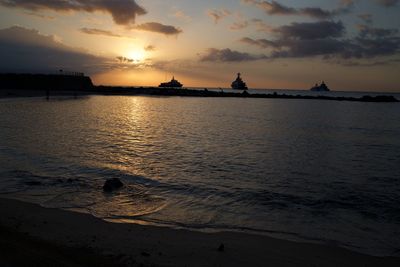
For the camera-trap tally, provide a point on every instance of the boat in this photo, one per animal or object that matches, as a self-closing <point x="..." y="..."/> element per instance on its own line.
<point x="320" y="87"/>
<point x="172" y="84"/>
<point x="239" y="84"/>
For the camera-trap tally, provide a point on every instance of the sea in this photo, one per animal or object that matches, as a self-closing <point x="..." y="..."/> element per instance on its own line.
<point x="317" y="171"/>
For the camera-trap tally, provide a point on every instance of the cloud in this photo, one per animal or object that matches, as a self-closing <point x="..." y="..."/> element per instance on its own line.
<point x="38" y="15"/>
<point x="150" y="48"/>
<point x="347" y="3"/>
<point x="27" y="50"/>
<point x="124" y="60"/>
<point x="275" y="8"/>
<point x="228" y="55"/>
<point x="297" y="48"/>
<point x="369" y="63"/>
<point x="239" y="25"/>
<point x="262" y="43"/>
<point x="158" y="28"/>
<point x="124" y="63"/>
<point x="316" y="12"/>
<point x="258" y="23"/>
<point x="288" y="34"/>
<point x="99" y="32"/>
<point x="179" y="14"/>
<point x="123" y="12"/>
<point x="367" y="18"/>
<point x="314" y="30"/>
<point x="366" y="30"/>
<point x="387" y="3"/>
<point x="326" y="39"/>
<point x="217" y="14"/>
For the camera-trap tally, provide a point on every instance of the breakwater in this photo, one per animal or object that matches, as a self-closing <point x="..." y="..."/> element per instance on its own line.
<point x="112" y="90"/>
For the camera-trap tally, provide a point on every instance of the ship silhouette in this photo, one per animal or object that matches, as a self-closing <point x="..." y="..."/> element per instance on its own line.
<point x="171" y="84"/>
<point x="320" y="87"/>
<point x="239" y="84"/>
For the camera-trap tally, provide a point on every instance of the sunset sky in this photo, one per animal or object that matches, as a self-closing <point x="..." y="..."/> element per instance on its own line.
<point x="351" y="44"/>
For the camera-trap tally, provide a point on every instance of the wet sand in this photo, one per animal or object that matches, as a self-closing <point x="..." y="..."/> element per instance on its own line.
<point x="36" y="236"/>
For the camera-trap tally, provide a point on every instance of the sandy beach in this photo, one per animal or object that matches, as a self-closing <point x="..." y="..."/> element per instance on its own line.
<point x="36" y="236"/>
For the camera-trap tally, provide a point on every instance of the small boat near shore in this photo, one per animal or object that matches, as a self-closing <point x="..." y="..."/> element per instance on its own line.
<point x="320" y="87"/>
<point x="171" y="84"/>
<point x="239" y="84"/>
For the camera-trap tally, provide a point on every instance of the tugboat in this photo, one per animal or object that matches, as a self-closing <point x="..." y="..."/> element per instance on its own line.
<point x="320" y="87"/>
<point x="172" y="84"/>
<point x="239" y="84"/>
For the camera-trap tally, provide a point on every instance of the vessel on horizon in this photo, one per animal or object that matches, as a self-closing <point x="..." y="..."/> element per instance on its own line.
<point x="171" y="84"/>
<point x="320" y="87"/>
<point x="239" y="84"/>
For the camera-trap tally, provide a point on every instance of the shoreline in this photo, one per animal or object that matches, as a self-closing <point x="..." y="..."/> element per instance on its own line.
<point x="84" y="238"/>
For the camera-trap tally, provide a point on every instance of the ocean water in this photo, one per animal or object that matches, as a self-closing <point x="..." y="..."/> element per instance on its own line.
<point x="304" y="170"/>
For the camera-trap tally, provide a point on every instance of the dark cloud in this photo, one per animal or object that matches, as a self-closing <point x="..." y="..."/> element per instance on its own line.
<point x="124" y="60"/>
<point x="366" y="30"/>
<point x="307" y="48"/>
<point x="315" y="30"/>
<point x="316" y="12"/>
<point x="326" y="39"/>
<point x="124" y="12"/>
<point x="297" y="47"/>
<point x="388" y="3"/>
<point x="98" y="32"/>
<point x="158" y="28"/>
<point x="296" y="32"/>
<point x="369" y="63"/>
<point x="367" y="18"/>
<point x="228" y="55"/>
<point x="27" y="50"/>
<point x="275" y="8"/>
<point x="262" y="43"/>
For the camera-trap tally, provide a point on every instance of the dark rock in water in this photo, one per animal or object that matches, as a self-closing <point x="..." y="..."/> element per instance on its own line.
<point x="112" y="184"/>
<point x="221" y="248"/>
<point x="379" y="98"/>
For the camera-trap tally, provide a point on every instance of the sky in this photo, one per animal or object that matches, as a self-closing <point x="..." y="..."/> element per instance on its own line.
<point x="353" y="45"/>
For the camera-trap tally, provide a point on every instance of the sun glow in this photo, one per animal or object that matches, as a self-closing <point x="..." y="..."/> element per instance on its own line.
<point x="136" y="55"/>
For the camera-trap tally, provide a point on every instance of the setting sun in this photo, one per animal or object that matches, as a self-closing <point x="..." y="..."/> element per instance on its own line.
<point x="136" y="55"/>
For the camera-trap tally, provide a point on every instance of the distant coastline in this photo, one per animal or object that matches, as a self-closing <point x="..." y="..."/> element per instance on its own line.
<point x="26" y="85"/>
